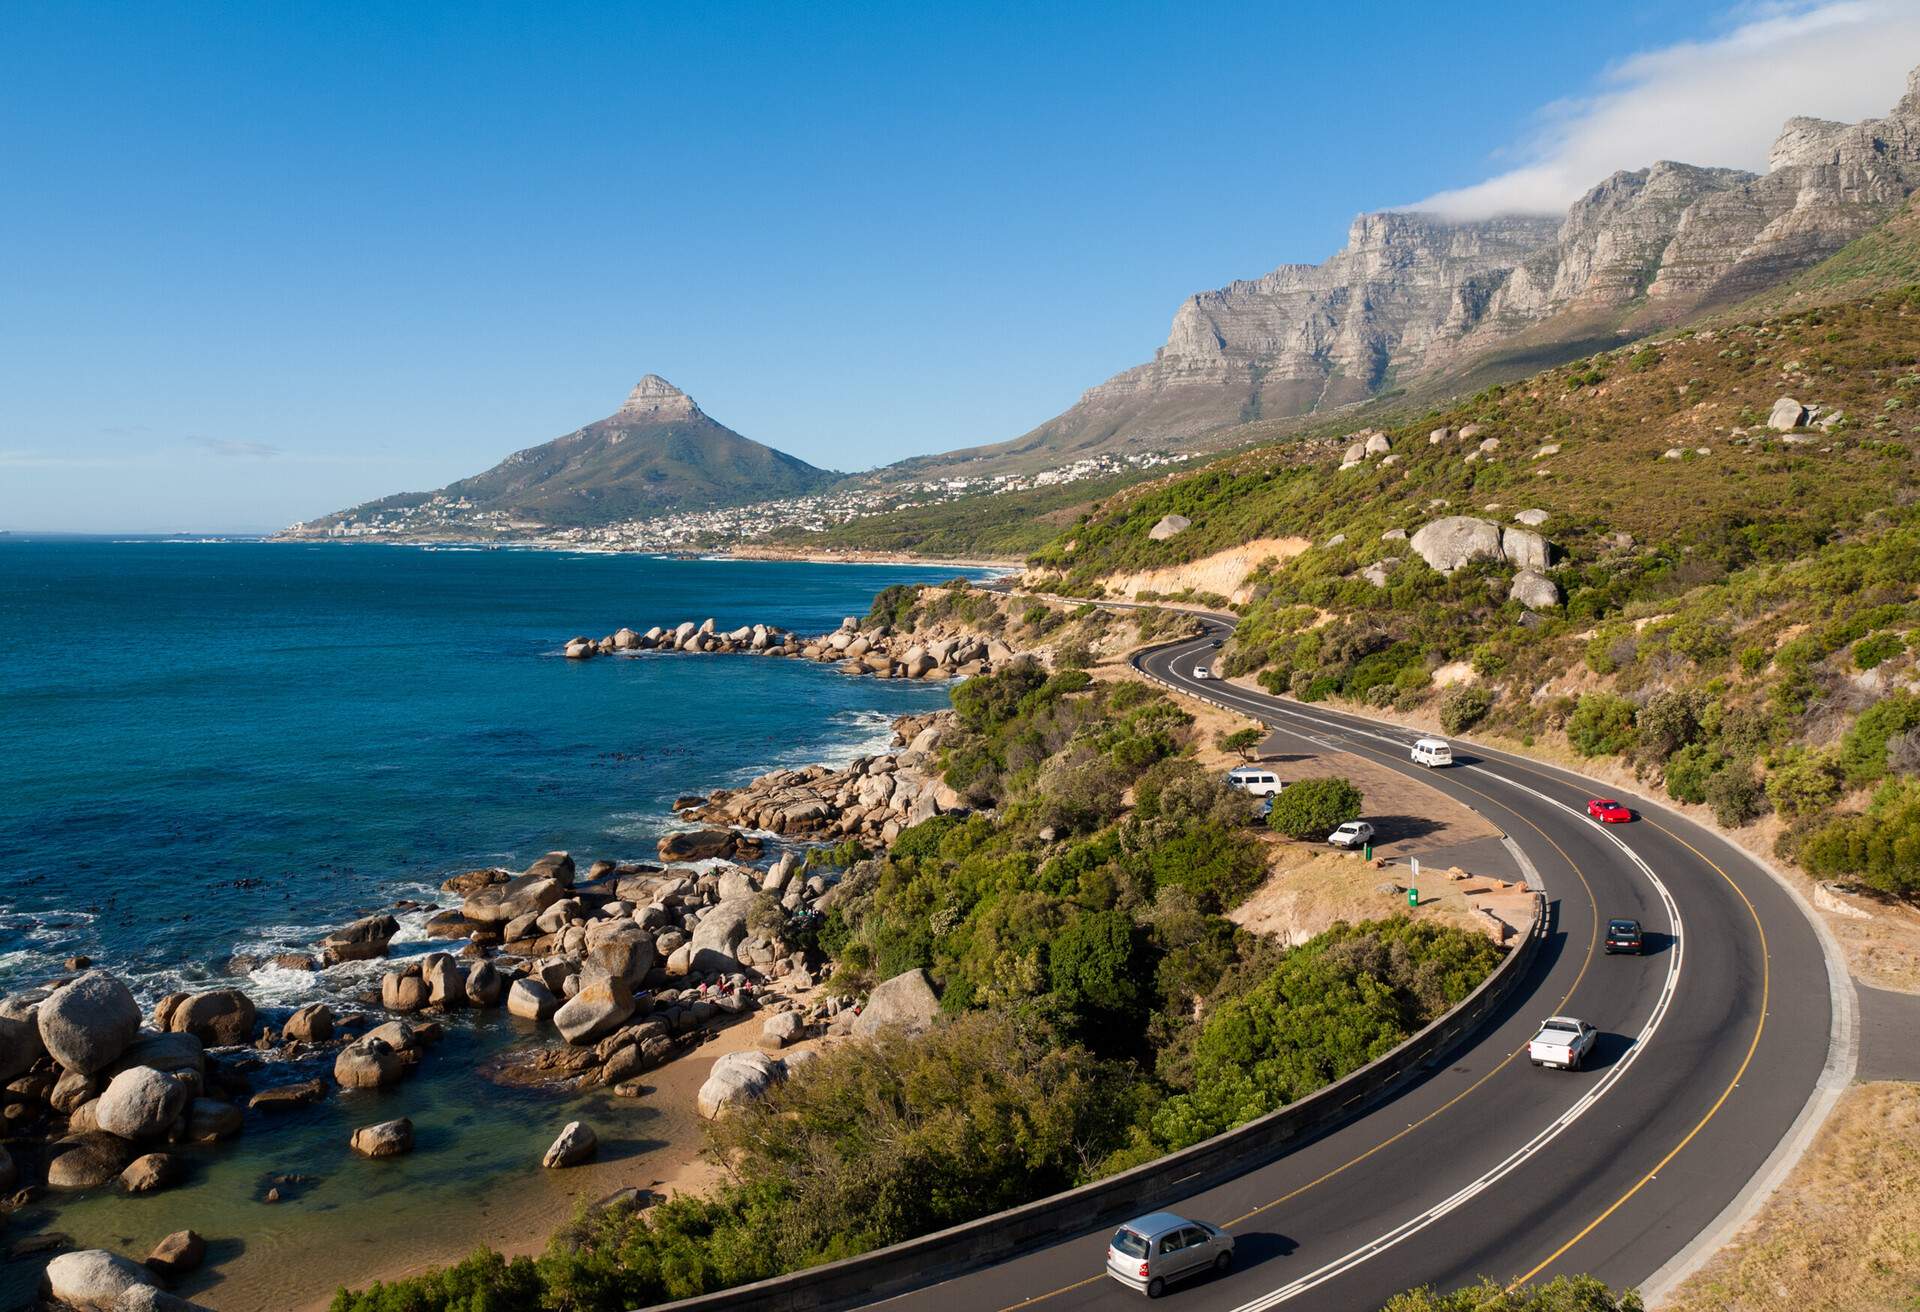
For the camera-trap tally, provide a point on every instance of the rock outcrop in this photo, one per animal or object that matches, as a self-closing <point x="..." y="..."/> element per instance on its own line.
<point x="906" y="1002"/>
<point x="386" y="1139"/>
<point x="93" y="1280"/>
<point x="88" y="1022"/>
<point x="736" y="1078"/>
<point x="575" y="1144"/>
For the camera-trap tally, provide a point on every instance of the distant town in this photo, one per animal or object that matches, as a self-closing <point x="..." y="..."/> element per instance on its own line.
<point x="443" y="518"/>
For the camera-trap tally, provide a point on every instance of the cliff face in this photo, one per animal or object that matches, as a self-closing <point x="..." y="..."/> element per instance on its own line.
<point x="1414" y="293"/>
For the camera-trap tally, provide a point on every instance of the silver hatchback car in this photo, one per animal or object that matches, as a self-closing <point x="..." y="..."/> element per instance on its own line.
<point x="1151" y="1252"/>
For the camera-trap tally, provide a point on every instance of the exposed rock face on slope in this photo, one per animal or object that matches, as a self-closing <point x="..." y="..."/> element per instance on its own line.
<point x="658" y="452"/>
<point x="1413" y="293"/>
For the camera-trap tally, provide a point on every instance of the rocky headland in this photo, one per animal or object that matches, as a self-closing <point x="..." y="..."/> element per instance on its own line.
<point x="940" y="652"/>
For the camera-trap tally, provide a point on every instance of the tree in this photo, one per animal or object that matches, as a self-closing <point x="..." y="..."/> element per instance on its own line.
<point x="1091" y="964"/>
<point x="1881" y="848"/>
<point x="1735" y="795"/>
<point x="1313" y="808"/>
<point x="1804" y="783"/>
<point x="1241" y="741"/>
<point x="1668" y="722"/>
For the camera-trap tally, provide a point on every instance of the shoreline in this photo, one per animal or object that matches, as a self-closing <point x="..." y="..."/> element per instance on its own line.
<point x="799" y="556"/>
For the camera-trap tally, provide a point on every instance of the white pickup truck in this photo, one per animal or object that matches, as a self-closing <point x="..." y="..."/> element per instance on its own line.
<point x="1563" y="1042"/>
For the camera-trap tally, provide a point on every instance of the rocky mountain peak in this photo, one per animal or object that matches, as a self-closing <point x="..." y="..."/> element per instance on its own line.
<point x="654" y="399"/>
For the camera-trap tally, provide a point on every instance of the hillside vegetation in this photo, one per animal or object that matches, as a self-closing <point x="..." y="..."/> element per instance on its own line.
<point x="1739" y="604"/>
<point x="1098" y="1010"/>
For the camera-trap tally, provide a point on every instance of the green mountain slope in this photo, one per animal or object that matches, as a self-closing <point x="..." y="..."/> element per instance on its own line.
<point x="660" y="452"/>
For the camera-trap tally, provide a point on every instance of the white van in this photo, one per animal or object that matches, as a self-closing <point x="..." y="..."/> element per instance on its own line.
<point x="1432" y="752"/>
<point x="1255" y="779"/>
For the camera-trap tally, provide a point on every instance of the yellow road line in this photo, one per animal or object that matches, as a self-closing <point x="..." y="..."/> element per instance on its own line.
<point x="1593" y="940"/>
<point x="1766" y="971"/>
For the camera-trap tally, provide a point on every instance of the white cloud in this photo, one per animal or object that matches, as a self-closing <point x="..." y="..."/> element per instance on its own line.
<point x="1714" y="102"/>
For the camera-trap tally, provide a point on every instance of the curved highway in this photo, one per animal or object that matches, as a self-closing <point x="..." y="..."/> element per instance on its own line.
<point x="1712" y="1056"/>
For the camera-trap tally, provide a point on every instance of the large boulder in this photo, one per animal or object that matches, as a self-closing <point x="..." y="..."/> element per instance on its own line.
<point x="600" y="1007"/>
<point x="89" y="1022"/>
<point x="176" y="1255"/>
<point x="446" y="980"/>
<point x="1534" y="590"/>
<point x="209" y="1121"/>
<point x="387" y="1139"/>
<point x="86" y="1161"/>
<point x="484" y="984"/>
<point x="1787" y="414"/>
<point x="1456" y="540"/>
<point x="404" y="990"/>
<point x="312" y="1023"/>
<point x="531" y="1000"/>
<point x="366" y="1064"/>
<point x="905" y="1002"/>
<point x="1526" y="549"/>
<point x="151" y="1173"/>
<point x="142" y="1103"/>
<point x="698" y="845"/>
<point x="496" y="904"/>
<point x="557" y="866"/>
<point x="576" y="1144"/>
<point x="92" y="1280"/>
<point x="219" y="1018"/>
<point x="20" y="1045"/>
<point x="722" y="926"/>
<point x="1169" y="526"/>
<point x="620" y="948"/>
<point x="735" y="1078"/>
<point x="363" y="940"/>
<point x="178" y="1055"/>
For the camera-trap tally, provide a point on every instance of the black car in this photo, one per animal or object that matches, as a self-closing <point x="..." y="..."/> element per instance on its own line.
<point x="1625" y="936"/>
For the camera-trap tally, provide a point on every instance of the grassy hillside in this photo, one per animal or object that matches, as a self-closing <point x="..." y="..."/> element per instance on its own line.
<point x="1741" y="607"/>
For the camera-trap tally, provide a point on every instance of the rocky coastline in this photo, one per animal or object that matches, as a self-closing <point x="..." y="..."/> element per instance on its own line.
<point x="622" y="969"/>
<point x="937" y="653"/>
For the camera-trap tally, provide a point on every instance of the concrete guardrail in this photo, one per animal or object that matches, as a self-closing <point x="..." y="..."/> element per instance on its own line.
<point x="944" y="1254"/>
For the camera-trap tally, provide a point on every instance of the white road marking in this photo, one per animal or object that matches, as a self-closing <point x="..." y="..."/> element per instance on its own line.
<point x="1412" y="1226"/>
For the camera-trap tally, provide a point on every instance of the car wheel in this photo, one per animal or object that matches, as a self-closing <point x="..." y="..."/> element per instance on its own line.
<point x="1222" y="1262"/>
<point x="1574" y="1060"/>
<point x="1156" y="1287"/>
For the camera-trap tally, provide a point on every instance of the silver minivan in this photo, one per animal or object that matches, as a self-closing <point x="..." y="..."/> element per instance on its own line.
<point x="1151" y="1252"/>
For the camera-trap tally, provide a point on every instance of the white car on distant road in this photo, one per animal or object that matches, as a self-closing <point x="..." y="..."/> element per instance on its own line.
<point x="1354" y="833"/>
<point x="1203" y="671"/>
<point x="1563" y="1042"/>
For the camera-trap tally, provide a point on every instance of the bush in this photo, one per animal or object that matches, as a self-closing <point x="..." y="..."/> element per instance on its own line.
<point x="1091" y="965"/>
<point x="1876" y="650"/>
<point x="1863" y="752"/>
<point x="1313" y="808"/>
<point x="1668" y="722"/>
<point x="1803" y="784"/>
<point x="1690" y="770"/>
<point x="1880" y="848"/>
<point x="1736" y="796"/>
<point x="1563" y="1294"/>
<point x="1601" y="725"/>
<point x="1462" y="707"/>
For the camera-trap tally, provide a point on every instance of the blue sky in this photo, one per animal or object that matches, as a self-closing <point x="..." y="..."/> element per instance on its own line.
<point x="268" y="260"/>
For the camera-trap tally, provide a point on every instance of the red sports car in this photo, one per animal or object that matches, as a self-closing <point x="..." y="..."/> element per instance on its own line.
<point x="1608" y="812"/>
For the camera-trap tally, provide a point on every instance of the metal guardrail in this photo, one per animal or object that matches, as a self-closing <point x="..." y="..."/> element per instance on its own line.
<point x="972" y="1245"/>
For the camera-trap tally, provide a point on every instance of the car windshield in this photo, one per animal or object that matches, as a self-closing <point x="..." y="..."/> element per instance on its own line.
<point x="1607" y="806"/>
<point x="1559" y="1027"/>
<point x="1623" y="927"/>
<point x="1126" y="1241"/>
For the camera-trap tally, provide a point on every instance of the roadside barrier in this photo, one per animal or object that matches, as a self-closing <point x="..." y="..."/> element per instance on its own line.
<point x="988" y="1240"/>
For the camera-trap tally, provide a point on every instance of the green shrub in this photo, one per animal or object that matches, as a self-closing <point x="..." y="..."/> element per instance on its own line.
<point x="1880" y="848"/>
<point x="1314" y="808"/>
<point x="484" y="1282"/>
<point x="1563" y="1294"/>
<point x="1091" y="965"/>
<point x="1876" y="650"/>
<point x="1601" y="725"/>
<point x="1690" y="770"/>
<point x="1803" y="784"/>
<point x="1668" y="722"/>
<point x="1463" y="706"/>
<point x="1863" y="752"/>
<point x="1735" y="796"/>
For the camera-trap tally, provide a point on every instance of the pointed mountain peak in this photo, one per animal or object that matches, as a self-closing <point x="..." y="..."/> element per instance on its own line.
<point x="653" y="397"/>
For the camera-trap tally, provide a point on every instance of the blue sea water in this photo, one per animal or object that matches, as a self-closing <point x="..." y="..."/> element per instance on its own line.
<point x="211" y="749"/>
<point x="221" y="749"/>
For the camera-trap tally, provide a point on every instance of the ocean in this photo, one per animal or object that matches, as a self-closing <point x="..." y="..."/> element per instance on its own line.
<point x="211" y="750"/>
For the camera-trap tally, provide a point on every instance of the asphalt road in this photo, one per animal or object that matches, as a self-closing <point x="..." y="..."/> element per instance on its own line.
<point x="1711" y="1046"/>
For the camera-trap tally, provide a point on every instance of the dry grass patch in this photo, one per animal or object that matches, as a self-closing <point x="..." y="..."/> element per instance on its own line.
<point x="1843" y="1233"/>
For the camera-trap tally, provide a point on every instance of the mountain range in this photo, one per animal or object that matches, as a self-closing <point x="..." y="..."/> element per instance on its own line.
<point x="1415" y="304"/>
